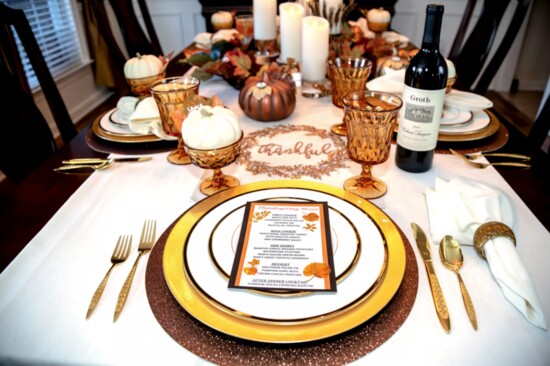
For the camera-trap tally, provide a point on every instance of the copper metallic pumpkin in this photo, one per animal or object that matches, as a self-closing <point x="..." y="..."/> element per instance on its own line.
<point x="267" y="99"/>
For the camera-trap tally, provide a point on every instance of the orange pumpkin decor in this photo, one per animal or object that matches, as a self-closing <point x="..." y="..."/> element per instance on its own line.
<point x="267" y="99"/>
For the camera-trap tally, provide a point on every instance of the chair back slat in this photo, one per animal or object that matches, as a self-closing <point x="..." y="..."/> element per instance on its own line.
<point x="18" y="20"/>
<point x="471" y="57"/>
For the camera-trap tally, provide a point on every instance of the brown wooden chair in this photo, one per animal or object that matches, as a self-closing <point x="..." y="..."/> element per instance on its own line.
<point x="135" y="39"/>
<point x="26" y="138"/>
<point x="104" y="48"/>
<point x="10" y="56"/>
<point x="470" y="56"/>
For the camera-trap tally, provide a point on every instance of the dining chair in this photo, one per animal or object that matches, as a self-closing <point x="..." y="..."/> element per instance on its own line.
<point x="135" y="39"/>
<point x="105" y="49"/>
<point x="26" y="138"/>
<point x="15" y="19"/>
<point x="470" y="56"/>
<point x="538" y="139"/>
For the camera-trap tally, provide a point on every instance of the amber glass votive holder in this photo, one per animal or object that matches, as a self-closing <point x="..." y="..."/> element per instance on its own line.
<point x="216" y="159"/>
<point x="140" y="86"/>
<point x="347" y="75"/>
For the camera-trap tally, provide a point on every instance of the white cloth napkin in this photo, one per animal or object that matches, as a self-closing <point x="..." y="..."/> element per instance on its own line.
<point x="146" y="119"/>
<point x="466" y="101"/>
<point x="389" y="83"/>
<point x="126" y="106"/>
<point x="458" y="207"/>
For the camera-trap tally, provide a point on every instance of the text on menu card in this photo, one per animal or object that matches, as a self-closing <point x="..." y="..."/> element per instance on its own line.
<point x="284" y="246"/>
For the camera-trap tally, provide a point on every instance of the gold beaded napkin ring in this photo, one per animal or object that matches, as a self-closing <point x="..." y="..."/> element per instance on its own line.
<point x="489" y="231"/>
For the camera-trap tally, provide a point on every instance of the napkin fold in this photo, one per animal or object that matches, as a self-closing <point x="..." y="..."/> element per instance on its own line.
<point x="458" y="207"/>
<point x="467" y="101"/>
<point x="462" y="100"/>
<point x="146" y="119"/>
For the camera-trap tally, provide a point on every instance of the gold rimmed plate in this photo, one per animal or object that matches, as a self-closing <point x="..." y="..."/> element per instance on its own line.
<point x="106" y="130"/>
<point x="294" y="306"/>
<point x="346" y="243"/>
<point x="349" y="309"/>
<point x="488" y="128"/>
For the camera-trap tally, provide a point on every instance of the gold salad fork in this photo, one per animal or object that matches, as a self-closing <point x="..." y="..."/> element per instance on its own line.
<point x="145" y="244"/>
<point x="120" y="254"/>
<point x="485" y="165"/>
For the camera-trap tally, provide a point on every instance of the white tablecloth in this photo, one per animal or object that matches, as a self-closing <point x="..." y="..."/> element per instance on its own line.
<point x="45" y="292"/>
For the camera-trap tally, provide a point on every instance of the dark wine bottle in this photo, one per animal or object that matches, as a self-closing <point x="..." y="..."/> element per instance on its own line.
<point x="423" y="97"/>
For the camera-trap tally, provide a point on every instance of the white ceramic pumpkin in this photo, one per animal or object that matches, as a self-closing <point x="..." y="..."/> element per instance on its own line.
<point x="210" y="128"/>
<point x="222" y="20"/>
<point x="378" y="19"/>
<point x="142" y="66"/>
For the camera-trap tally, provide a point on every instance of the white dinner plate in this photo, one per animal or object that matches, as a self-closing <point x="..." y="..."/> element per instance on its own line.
<point x="362" y="251"/>
<point x="454" y="116"/>
<point x="346" y="244"/>
<point x="107" y="125"/>
<point x="115" y="117"/>
<point x="479" y="121"/>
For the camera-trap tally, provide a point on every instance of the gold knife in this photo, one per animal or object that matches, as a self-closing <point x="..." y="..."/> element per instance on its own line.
<point x="437" y="293"/>
<point x="81" y="161"/>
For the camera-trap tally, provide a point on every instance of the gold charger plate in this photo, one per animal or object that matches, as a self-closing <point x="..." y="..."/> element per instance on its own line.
<point x="207" y="312"/>
<point x="106" y="135"/>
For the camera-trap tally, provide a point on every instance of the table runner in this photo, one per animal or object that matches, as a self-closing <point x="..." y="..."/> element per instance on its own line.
<point x="227" y="350"/>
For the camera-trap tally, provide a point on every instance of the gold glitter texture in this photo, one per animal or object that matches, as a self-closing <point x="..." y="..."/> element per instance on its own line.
<point x="489" y="231"/>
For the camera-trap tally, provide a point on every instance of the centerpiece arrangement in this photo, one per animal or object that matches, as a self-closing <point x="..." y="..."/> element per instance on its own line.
<point x="230" y="54"/>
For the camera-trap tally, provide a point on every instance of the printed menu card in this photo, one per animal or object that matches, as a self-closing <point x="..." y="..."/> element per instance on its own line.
<point x="284" y="246"/>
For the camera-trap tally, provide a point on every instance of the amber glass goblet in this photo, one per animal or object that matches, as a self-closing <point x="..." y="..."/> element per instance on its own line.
<point x="171" y="95"/>
<point x="216" y="159"/>
<point x="244" y="24"/>
<point x="347" y="75"/>
<point x="370" y="118"/>
<point x="140" y="86"/>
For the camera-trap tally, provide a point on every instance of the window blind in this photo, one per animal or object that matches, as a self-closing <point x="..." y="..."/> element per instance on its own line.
<point x="52" y="22"/>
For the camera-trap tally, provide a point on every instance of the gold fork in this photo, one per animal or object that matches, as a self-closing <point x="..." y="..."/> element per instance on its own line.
<point x="485" y="165"/>
<point x="145" y="244"/>
<point x="120" y="254"/>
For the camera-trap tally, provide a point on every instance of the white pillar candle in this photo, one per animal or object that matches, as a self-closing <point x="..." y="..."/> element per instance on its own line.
<point x="291" y="15"/>
<point x="265" y="19"/>
<point x="333" y="5"/>
<point x="315" y="38"/>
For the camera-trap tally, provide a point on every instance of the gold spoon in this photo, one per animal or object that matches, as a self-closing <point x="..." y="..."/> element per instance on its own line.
<point x="451" y="256"/>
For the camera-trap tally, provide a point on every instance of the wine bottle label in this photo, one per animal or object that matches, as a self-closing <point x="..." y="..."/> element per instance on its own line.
<point x="419" y="118"/>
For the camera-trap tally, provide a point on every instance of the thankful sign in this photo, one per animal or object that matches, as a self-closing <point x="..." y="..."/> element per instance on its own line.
<point x="293" y="151"/>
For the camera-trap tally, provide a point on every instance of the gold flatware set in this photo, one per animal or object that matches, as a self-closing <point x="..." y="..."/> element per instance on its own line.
<point x="145" y="244"/>
<point x="451" y="257"/>
<point x="91" y="164"/>
<point x="120" y="254"/>
<point x="470" y="159"/>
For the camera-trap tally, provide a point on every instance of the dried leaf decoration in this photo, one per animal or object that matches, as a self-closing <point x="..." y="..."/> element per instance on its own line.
<point x="251" y="268"/>
<point x="260" y="90"/>
<point x="310" y="227"/>
<point x="258" y="216"/>
<point x="241" y="61"/>
<point x="317" y="269"/>
<point x="312" y="216"/>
